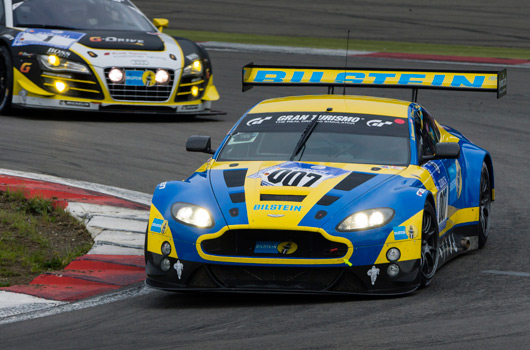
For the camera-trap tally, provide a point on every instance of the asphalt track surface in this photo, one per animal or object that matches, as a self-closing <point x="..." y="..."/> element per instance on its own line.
<point x="470" y="22"/>
<point x="465" y="307"/>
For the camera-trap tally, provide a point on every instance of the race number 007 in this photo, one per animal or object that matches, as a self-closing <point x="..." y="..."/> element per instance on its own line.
<point x="289" y="177"/>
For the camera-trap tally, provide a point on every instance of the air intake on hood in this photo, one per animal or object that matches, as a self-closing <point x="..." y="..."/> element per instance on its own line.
<point x="353" y="180"/>
<point x="281" y="197"/>
<point x="235" y="178"/>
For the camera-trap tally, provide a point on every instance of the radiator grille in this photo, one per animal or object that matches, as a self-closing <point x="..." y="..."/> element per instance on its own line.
<point x="140" y="93"/>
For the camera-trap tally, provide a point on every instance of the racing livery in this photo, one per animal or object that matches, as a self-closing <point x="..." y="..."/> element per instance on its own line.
<point x="326" y="193"/>
<point x="98" y="55"/>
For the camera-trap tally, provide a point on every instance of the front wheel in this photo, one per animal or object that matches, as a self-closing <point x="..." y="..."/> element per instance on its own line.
<point x="484" y="206"/>
<point x="6" y="80"/>
<point x="429" y="245"/>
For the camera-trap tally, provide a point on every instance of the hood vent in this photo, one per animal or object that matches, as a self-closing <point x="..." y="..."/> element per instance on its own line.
<point x="235" y="178"/>
<point x="353" y="180"/>
<point x="238" y="197"/>
<point x="327" y="200"/>
<point x="281" y="197"/>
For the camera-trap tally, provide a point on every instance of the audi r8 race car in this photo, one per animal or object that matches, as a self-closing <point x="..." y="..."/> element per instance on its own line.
<point x="326" y="193"/>
<point x="98" y="55"/>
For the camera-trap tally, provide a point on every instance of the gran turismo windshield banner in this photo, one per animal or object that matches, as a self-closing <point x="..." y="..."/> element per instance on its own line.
<point x="328" y="122"/>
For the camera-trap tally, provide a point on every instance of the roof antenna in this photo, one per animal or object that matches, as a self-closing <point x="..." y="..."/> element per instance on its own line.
<point x="346" y="63"/>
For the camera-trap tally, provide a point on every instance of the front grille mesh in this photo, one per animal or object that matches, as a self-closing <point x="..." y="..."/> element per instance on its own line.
<point x="155" y="93"/>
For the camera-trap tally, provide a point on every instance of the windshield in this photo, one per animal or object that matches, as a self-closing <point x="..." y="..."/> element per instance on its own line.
<point x="80" y="14"/>
<point x="341" y="138"/>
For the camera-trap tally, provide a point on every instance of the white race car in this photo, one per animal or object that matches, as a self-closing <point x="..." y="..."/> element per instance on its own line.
<point x="99" y="55"/>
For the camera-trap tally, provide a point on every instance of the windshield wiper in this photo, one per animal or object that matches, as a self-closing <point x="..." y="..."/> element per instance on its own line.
<point x="305" y="136"/>
<point x="46" y="26"/>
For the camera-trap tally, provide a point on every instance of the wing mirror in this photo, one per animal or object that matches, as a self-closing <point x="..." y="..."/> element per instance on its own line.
<point x="199" y="143"/>
<point x="160" y="23"/>
<point x="444" y="150"/>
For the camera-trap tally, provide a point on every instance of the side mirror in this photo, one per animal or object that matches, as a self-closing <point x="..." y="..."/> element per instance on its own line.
<point x="160" y="23"/>
<point x="199" y="143"/>
<point x="447" y="150"/>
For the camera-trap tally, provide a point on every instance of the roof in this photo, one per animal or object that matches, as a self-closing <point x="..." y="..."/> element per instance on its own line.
<point x="338" y="103"/>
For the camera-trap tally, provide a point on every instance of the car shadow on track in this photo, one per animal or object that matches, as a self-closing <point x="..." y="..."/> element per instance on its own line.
<point x="80" y="116"/>
<point x="167" y="300"/>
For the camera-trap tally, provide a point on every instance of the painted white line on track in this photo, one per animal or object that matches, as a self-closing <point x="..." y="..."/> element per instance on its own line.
<point x="29" y="312"/>
<point x="216" y="45"/>
<point x="224" y="46"/>
<point x="508" y="273"/>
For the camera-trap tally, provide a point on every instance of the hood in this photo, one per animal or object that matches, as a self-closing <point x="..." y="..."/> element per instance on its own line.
<point x="122" y="40"/>
<point x="277" y="195"/>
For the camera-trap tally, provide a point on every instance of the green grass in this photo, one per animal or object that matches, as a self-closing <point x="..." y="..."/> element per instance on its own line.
<point x="362" y="45"/>
<point x="36" y="236"/>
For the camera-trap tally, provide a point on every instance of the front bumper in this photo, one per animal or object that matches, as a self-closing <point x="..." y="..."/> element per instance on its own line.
<point x="192" y="276"/>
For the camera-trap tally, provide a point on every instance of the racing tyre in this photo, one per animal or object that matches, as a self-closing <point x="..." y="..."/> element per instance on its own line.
<point x="6" y="80"/>
<point x="484" y="206"/>
<point x="429" y="245"/>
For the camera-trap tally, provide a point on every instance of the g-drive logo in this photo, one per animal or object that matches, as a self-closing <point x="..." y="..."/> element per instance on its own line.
<point x="257" y="121"/>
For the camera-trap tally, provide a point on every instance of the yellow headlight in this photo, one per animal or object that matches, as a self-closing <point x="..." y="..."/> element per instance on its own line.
<point x="60" y="86"/>
<point x="54" y="60"/>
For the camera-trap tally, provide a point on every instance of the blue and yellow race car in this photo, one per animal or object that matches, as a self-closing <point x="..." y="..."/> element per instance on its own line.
<point x="326" y="193"/>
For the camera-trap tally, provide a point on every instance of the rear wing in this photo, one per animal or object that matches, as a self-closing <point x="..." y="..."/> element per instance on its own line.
<point x="263" y="75"/>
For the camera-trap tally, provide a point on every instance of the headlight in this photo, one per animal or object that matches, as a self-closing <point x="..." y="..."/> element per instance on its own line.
<point x="116" y="75"/>
<point x="366" y="219"/>
<point x="195" y="68"/>
<point x="57" y="64"/>
<point x="162" y="76"/>
<point x="193" y="215"/>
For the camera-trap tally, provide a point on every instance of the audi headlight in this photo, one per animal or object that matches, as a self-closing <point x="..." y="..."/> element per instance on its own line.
<point x="366" y="219"/>
<point x="57" y="64"/>
<point x="195" y="68"/>
<point x="193" y="215"/>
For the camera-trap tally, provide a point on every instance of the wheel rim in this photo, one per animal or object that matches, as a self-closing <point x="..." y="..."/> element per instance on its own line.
<point x="485" y="201"/>
<point x="3" y="82"/>
<point x="429" y="246"/>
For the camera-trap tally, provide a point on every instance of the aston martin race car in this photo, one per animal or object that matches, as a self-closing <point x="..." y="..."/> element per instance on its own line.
<point x="326" y="193"/>
<point x="98" y="55"/>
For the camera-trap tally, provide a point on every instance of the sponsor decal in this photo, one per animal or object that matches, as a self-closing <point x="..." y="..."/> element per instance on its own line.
<point x="179" y="267"/>
<point x="412" y="231"/>
<point x="162" y="185"/>
<point x="420" y="192"/>
<point x="158" y="226"/>
<point x="55" y="38"/>
<point x="282" y="207"/>
<point x="322" y="118"/>
<point x="113" y="39"/>
<point x="373" y="273"/>
<point x="400" y="233"/>
<point x="349" y="76"/>
<point x="74" y="103"/>
<point x="190" y="107"/>
<point x="26" y="54"/>
<point x="287" y="248"/>
<point x="256" y="121"/>
<point x="442" y="198"/>
<point x="192" y="56"/>
<point x="148" y="78"/>
<point x="266" y="247"/>
<point x="139" y="78"/>
<point x="393" y="167"/>
<point x="58" y="52"/>
<point x="296" y="174"/>
<point x="377" y="123"/>
<point x="25" y="67"/>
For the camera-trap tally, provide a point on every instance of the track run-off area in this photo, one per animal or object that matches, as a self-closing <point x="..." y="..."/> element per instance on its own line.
<point x="477" y="301"/>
